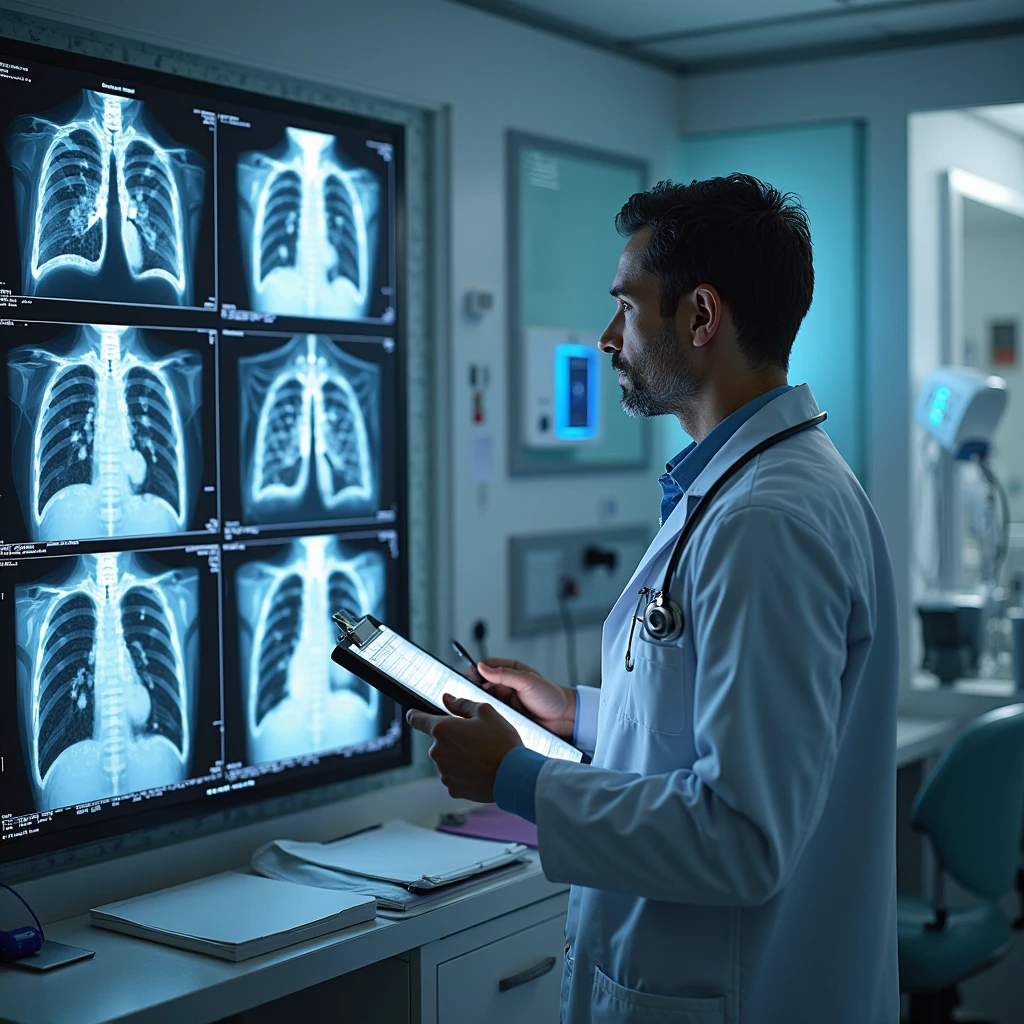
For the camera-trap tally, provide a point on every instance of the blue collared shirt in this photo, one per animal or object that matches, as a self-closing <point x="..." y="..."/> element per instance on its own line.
<point x="681" y="471"/>
<point x="516" y="781"/>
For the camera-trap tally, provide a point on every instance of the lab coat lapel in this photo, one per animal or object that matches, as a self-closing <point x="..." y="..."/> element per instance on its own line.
<point x="783" y="412"/>
<point x="787" y="410"/>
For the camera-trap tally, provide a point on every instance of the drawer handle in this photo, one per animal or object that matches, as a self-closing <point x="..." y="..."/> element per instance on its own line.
<point x="538" y="970"/>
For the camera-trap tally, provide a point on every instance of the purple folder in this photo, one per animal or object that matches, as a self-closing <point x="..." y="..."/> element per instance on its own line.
<point x="490" y="822"/>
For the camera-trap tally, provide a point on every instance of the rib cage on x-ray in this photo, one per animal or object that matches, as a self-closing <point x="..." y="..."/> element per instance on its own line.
<point x="298" y="701"/>
<point x="310" y="427"/>
<point x="108" y="455"/>
<point x="106" y="679"/>
<point x="309" y="227"/>
<point x="71" y="170"/>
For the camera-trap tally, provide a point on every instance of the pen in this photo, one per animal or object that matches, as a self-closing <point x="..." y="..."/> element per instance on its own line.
<point x="463" y="653"/>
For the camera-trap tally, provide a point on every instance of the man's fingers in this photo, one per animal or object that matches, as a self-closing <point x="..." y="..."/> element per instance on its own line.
<point x="511" y="663"/>
<point x="504" y="675"/>
<point x="423" y="722"/>
<point x="461" y="706"/>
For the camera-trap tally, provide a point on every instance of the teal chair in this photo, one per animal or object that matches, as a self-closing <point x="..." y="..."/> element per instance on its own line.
<point x="971" y="808"/>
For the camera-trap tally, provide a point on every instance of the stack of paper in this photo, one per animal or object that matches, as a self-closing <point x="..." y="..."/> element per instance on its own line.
<point x="234" y="915"/>
<point x="407" y="869"/>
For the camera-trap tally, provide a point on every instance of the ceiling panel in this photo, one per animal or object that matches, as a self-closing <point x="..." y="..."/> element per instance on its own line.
<point x="617" y="20"/>
<point x="856" y="26"/>
<point x="698" y="48"/>
<point x="925" y="16"/>
<point x="692" y="34"/>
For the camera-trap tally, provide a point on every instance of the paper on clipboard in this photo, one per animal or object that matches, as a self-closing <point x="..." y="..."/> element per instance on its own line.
<point x="390" y="654"/>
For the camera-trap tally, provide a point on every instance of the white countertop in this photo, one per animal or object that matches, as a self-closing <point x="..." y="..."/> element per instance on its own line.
<point x="147" y="983"/>
<point x="919" y="737"/>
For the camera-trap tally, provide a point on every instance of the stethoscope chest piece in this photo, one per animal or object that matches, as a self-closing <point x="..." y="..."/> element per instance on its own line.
<point x="663" y="619"/>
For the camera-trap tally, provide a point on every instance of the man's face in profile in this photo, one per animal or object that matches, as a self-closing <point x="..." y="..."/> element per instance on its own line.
<point x="647" y="350"/>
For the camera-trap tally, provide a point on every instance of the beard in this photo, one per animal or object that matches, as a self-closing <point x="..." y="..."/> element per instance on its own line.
<point x="659" y="381"/>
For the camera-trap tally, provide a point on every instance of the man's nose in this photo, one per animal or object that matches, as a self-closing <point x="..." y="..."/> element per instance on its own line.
<point x="611" y="338"/>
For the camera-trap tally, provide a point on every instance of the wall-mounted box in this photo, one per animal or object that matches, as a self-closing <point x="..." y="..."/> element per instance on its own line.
<point x="541" y="563"/>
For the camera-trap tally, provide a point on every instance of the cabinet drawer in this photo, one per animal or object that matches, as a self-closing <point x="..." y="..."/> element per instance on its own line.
<point x="515" y="979"/>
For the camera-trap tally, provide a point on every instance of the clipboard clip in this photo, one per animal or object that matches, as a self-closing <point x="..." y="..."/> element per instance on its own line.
<point x="355" y="631"/>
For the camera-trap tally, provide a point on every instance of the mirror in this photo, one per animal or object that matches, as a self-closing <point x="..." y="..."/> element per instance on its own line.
<point x="993" y="315"/>
<point x="985" y="264"/>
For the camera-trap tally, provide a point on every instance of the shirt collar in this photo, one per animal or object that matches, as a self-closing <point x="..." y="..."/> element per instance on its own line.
<point x="685" y="467"/>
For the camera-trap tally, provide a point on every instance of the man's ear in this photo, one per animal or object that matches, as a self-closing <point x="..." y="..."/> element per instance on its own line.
<point x="707" y="314"/>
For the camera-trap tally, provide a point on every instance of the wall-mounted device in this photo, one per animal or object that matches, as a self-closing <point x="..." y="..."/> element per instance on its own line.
<point x="960" y="408"/>
<point x="561" y="391"/>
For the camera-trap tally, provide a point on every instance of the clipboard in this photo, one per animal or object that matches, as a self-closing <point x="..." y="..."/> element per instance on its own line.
<point x="413" y="678"/>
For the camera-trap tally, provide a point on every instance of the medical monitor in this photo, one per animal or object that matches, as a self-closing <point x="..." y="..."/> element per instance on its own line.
<point x="202" y="446"/>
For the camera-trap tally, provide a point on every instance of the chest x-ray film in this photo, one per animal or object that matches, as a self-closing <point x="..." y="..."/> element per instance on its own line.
<point x="308" y="217"/>
<point x="387" y="657"/>
<point x="105" y="438"/>
<point x="107" y="677"/>
<point x="202" y="444"/>
<point x="108" y="204"/>
<point x="297" y="701"/>
<point x="309" y="424"/>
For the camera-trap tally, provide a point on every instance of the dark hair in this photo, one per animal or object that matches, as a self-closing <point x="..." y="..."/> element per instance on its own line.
<point x="743" y="237"/>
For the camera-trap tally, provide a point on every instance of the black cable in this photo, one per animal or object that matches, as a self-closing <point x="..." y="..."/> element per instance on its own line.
<point x="1003" y="550"/>
<point x="931" y="489"/>
<point x="569" y="627"/>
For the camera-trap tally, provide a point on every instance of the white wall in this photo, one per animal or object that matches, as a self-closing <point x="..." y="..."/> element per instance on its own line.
<point x="492" y="75"/>
<point x="882" y="90"/>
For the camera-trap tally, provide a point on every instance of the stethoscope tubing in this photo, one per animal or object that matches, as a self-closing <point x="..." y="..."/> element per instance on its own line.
<point x="661" y="598"/>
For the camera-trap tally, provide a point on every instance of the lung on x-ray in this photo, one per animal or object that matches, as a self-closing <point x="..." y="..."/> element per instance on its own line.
<point x="104" y="441"/>
<point x="102" y="193"/>
<point x="106" y="677"/>
<point x="296" y="700"/>
<point x="308" y="221"/>
<point x="309" y="416"/>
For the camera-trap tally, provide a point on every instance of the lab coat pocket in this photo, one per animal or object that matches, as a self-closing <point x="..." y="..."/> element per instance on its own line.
<point x="654" y="699"/>
<point x="612" y="1003"/>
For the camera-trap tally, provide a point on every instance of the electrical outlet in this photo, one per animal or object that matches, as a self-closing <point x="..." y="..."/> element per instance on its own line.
<point x="540" y="564"/>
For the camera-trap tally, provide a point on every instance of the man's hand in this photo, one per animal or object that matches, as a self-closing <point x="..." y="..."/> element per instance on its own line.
<point x="528" y="692"/>
<point x="468" y="749"/>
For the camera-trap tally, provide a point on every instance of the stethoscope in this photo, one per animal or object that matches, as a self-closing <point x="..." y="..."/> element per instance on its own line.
<point x="662" y="619"/>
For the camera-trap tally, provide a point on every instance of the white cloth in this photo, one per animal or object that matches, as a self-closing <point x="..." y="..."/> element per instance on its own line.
<point x="732" y="846"/>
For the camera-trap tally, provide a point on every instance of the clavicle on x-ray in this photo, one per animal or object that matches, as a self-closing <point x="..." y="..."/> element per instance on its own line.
<point x="108" y="455"/>
<point x="106" y="677"/>
<point x="298" y="701"/>
<point x="98" y="169"/>
<point x="309" y="228"/>
<point x="308" y="405"/>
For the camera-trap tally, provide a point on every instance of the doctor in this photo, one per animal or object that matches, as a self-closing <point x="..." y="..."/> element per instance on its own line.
<point x="731" y="848"/>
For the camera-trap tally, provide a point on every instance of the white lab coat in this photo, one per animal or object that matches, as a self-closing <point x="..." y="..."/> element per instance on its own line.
<point x="732" y="846"/>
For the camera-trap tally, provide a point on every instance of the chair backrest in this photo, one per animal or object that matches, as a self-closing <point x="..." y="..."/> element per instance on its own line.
<point x="972" y="804"/>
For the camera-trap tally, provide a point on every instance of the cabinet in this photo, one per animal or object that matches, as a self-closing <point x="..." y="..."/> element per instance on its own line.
<point x="504" y="971"/>
<point x="375" y="994"/>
